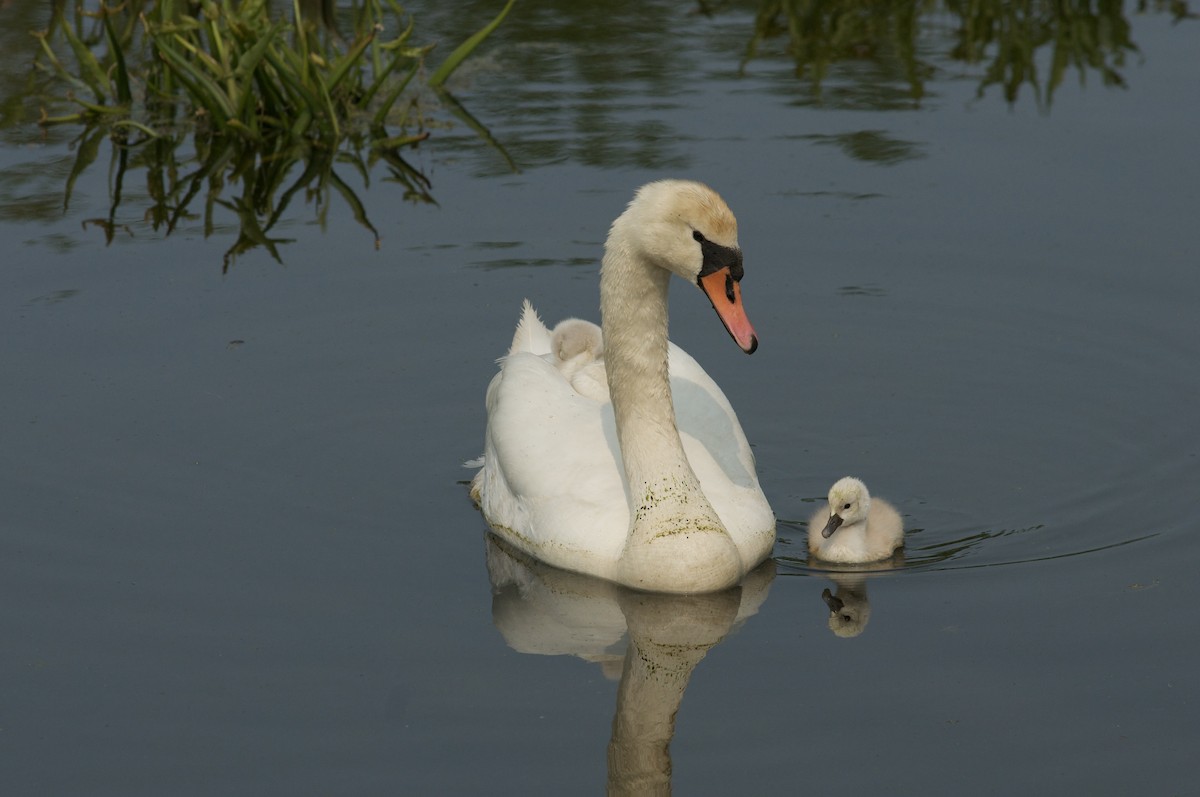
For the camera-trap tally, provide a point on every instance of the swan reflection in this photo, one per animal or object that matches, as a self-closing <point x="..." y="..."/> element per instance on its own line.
<point x="651" y="642"/>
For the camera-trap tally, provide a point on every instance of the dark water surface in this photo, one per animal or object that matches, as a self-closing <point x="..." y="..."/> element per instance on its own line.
<point x="236" y="556"/>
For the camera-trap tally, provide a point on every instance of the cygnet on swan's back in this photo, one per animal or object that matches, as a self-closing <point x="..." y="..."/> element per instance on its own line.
<point x="578" y="350"/>
<point x="575" y="338"/>
<point x="853" y="527"/>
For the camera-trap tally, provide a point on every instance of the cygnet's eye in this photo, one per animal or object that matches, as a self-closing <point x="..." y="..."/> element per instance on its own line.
<point x="696" y="236"/>
<point x="847" y="506"/>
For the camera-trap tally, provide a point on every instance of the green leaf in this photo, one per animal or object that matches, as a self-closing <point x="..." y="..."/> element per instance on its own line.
<point x="249" y="73"/>
<point x="250" y="59"/>
<point x="348" y="62"/>
<point x="356" y="206"/>
<point x="124" y="96"/>
<point x="90" y="71"/>
<point x="302" y="96"/>
<point x="84" y="157"/>
<point x="396" y="142"/>
<point x="332" y="128"/>
<point x="466" y="48"/>
<point x="103" y="110"/>
<point x="475" y="125"/>
<point x="385" y="107"/>
<point x="137" y="126"/>
<point x="58" y="66"/>
<point x="202" y="88"/>
<point x="381" y="77"/>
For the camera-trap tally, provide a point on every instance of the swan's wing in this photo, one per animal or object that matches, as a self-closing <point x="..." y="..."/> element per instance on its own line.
<point x="551" y="482"/>
<point x="885" y="527"/>
<point x="720" y="455"/>
<point x="704" y="415"/>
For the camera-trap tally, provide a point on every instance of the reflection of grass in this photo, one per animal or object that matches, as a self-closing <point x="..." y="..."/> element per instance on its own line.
<point x="823" y="32"/>
<point x="188" y="179"/>
<point x="1086" y="35"/>
<point x="1009" y="36"/>
<point x="873" y="146"/>
<point x="219" y="90"/>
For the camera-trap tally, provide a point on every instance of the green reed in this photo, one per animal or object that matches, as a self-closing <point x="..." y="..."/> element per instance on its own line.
<point x="238" y="71"/>
<point x="225" y="107"/>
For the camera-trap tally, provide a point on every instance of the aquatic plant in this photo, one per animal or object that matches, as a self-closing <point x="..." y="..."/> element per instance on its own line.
<point x="237" y="70"/>
<point x="1026" y="43"/>
<point x="205" y="95"/>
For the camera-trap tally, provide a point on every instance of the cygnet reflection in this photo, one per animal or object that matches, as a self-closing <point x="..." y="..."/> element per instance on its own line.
<point x="849" y="607"/>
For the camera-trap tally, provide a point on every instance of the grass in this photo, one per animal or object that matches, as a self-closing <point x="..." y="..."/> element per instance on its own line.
<point x="209" y="95"/>
<point x="237" y="70"/>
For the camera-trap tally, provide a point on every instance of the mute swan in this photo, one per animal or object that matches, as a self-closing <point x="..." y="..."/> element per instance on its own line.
<point x="655" y="488"/>
<point x="853" y="527"/>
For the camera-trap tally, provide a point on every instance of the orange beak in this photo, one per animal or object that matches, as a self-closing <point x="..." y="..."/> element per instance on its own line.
<point x="725" y="293"/>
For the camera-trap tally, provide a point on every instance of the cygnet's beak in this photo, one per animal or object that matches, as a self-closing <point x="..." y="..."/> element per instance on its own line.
<point x="725" y="293"/>
<point x="834" y="522"/>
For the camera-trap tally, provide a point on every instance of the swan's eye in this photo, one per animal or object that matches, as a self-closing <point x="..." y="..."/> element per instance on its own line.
<point x="696" y="236"/>
<point x="847" y="506"/>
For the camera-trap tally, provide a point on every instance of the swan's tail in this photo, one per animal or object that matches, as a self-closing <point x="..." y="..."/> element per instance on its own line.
<point x="532" y="335"/>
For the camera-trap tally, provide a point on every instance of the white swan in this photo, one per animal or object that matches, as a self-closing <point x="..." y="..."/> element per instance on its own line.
<point x="853" y="527"/>
<point x="655" y="489"/>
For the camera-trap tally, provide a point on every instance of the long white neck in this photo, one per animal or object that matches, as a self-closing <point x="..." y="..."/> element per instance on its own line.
<point x="665" y="495"/>
<point x="633" y="310"/>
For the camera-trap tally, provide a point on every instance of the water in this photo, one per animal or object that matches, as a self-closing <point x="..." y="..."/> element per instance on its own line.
<point x="237" y="554"/>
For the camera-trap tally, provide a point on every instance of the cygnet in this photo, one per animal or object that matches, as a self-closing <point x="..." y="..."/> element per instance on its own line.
<point x="854" y="528"/>
<point x="578" y="350"/>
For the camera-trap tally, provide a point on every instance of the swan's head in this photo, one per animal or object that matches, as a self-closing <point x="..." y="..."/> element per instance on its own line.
<point x="849" y="503"/>
<point x="686" y="228"/>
